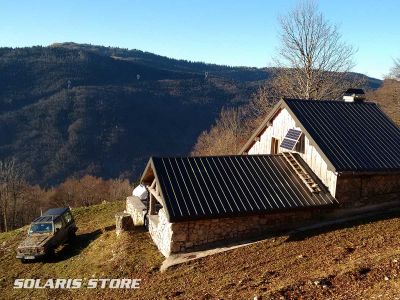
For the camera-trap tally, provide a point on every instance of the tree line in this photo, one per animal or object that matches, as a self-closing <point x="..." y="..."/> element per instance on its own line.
<point x="21" y="202"/>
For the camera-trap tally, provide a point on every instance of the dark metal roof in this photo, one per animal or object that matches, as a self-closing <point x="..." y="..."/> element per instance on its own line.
<point x="210" y="187"/>
<point x="51" y="214"/>
<point x="355" y="136"/>
<point x="55" y="211"/>
<point x="43" y="219"/>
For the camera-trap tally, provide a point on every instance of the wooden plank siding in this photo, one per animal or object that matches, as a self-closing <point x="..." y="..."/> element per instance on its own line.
<point x="282" y="122"/>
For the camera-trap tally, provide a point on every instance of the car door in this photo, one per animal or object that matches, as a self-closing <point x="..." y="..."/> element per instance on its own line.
<point x="59" y="231"/>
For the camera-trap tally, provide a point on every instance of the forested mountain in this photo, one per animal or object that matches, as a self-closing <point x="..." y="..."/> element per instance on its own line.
<point x="71" y="109"/>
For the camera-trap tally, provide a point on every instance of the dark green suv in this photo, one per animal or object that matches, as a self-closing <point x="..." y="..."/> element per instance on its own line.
<point x="52" y="229"/>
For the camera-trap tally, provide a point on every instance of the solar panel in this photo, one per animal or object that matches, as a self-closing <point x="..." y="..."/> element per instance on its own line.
<point x="293" y="134"/>
<point x="288" y="144"/>
<point x="291" y="139"/>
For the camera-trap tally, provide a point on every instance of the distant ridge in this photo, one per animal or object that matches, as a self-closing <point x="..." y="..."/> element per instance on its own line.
<point x="70" y="109"/>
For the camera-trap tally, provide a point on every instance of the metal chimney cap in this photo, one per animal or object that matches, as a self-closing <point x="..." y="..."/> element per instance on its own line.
<point x="354" y="91"/>
<point x="352" y="95"/>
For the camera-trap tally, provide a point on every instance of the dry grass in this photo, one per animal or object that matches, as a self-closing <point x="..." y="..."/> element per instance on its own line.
<point x="347" y="262"/>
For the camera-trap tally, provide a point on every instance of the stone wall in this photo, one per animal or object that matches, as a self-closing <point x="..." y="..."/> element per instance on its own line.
<point x="198" y="234"/>
<point x="137" y="210"/>
<point x="355" y="190"/>
<point x="160" y="230"/>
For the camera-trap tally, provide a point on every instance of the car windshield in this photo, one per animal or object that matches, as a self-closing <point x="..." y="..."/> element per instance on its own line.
<point x="41" y="228"/>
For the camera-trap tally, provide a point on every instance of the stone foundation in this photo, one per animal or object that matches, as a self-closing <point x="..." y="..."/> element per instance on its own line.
<point x="357" y="190"/>
<point x="352" y="191"/>
<point x="199" y="234"/>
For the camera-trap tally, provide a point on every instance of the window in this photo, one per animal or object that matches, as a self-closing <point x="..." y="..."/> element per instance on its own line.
<point x="41" y="228"/>
<point x="58" y="224"/>
<point x="274" y="146"/>
<point x="67" y="217"/>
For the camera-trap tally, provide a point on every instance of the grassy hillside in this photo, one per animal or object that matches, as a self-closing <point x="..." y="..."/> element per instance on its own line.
<point x="356" y="261"/>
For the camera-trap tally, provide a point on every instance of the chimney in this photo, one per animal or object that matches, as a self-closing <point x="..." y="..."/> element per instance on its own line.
<point x="354" y="95"/>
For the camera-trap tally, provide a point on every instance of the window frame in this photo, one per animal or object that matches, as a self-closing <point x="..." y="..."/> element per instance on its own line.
<point x="61" y="220"/>
<point x="300" y="145"/>
<point x="65" y="218"/>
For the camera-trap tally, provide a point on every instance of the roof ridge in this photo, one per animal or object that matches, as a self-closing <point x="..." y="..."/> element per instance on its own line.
<point x="216" y="156"/>
<point x="329" y="100"/>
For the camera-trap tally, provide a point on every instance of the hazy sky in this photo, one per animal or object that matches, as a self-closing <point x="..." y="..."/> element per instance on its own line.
<point x="218" y="31"/>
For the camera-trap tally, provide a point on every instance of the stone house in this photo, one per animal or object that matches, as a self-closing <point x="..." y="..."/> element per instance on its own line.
<point x="306" y="158"/>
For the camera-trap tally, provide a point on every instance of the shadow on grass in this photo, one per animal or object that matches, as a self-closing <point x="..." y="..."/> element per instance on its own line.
<point x="139" y="229"/>
<point x="108" y="228"/>
<point x="76" y="246"/>
<point x="300" y="235"/>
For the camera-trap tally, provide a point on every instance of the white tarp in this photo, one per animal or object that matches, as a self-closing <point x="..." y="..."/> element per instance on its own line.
<point x="141" y="192"/>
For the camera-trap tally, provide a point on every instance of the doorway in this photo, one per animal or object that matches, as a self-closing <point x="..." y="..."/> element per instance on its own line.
<point x="274" y="146"/>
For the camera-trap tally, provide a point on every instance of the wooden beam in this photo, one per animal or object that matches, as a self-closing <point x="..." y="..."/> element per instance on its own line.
<point x="157" y="190"/>
<point x="153" y="184"/>
<point x="156" y="195"/>
<point x="152" y="205"/>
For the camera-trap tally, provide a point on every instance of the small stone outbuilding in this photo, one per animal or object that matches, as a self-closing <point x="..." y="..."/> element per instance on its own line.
<point x="196" y="201"/>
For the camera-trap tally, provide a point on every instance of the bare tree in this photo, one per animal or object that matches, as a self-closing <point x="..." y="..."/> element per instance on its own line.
<point x="395" y="72"/>
<point x="11" y="186"/>
<point x="260" y="104"/>
<point x="234" y="125"/>
<point x="224" y="137"/>
<point x="313" y="62"/>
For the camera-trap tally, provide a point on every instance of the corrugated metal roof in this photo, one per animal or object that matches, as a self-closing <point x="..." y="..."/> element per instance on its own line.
<point x="210" y="187"/>
<point x="354" y="136"/>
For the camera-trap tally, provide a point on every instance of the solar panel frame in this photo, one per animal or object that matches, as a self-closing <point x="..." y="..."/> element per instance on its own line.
<point x="291" y="138"/>
<point x="293" y="134"/>
<point x="288" y="144"/>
